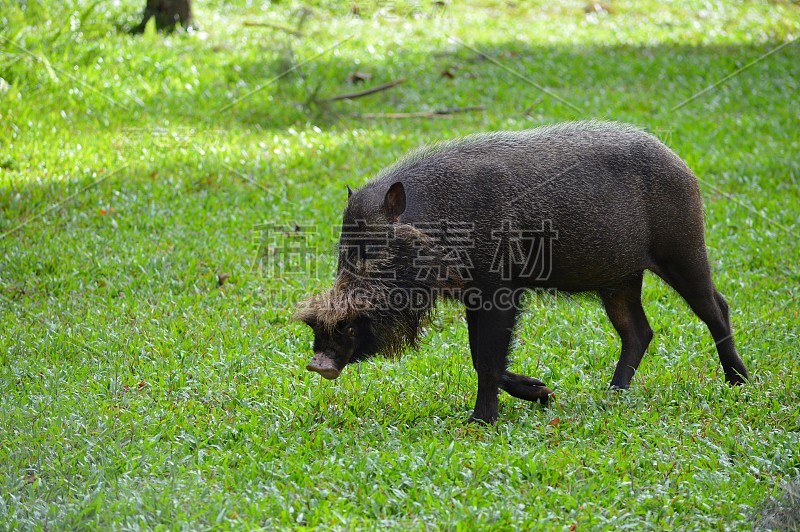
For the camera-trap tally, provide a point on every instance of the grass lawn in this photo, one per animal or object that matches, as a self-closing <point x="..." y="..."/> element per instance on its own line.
<point x="150" y="375"/>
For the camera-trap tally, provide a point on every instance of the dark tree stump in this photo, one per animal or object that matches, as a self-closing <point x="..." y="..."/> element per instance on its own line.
<point x="168" y="13"/>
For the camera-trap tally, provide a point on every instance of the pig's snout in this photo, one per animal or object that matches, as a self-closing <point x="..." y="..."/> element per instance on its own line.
<point x="324" y="365"/>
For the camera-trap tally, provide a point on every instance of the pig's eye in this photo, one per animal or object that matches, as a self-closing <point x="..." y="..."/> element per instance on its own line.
<point x="351" y="331"/>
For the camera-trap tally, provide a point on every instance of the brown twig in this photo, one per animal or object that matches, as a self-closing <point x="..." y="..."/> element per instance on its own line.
<point x="441" y="113"/>
<point x="366" y="92"/>
<point x="290" y="31"/>
<point x="532" y="106"/>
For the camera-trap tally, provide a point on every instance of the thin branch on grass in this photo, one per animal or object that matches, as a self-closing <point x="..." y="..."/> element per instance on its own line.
<point x="533" y="106"/>
<point x="440" y="113"/>
<point x="366" y="92"/>
<point x="290" y="31"/>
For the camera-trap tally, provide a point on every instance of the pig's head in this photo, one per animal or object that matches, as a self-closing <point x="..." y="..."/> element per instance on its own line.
<point x="378" y="302"/>
<point x="346" y="343"/>
<point x="357" y="319"/>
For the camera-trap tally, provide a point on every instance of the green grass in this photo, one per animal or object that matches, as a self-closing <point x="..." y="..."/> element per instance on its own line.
<point x="136" y="392"/>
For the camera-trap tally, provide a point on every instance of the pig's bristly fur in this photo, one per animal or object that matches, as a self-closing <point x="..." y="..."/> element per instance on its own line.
<point x="364" y="291"/>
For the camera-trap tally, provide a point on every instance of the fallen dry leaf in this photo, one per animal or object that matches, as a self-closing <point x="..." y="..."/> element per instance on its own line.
<point x="597" y="7"/>
<point x="359" y="77"/>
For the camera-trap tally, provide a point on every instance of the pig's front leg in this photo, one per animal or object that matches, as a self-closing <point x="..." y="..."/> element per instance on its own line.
<point x="490" y="333"/>
<point x="526" y="388"/>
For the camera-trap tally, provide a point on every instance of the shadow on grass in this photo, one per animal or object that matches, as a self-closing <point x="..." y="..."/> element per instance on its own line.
<point x="630" y="82"/>
<point x="637" y="84"/>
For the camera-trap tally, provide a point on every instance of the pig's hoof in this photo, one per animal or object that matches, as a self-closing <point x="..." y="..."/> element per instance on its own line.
<point x="474" y="420"/>
<point x="526" y="388"/>
<point x="734" y="379"/>
<point x="545" y="394"/>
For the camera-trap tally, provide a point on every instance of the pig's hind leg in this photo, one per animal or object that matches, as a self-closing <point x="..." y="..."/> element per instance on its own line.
<point x="623" y="305"/>
<point x="526" y="388"/>
<point x="691" y="278"/>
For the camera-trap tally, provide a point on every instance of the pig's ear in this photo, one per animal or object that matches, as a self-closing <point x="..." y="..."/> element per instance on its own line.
<point x="349" y="192"/>
<point x="395" y="201"/>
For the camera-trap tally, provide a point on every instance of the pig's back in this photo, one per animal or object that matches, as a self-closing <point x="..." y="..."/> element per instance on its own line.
<point x="614" y="195"/>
